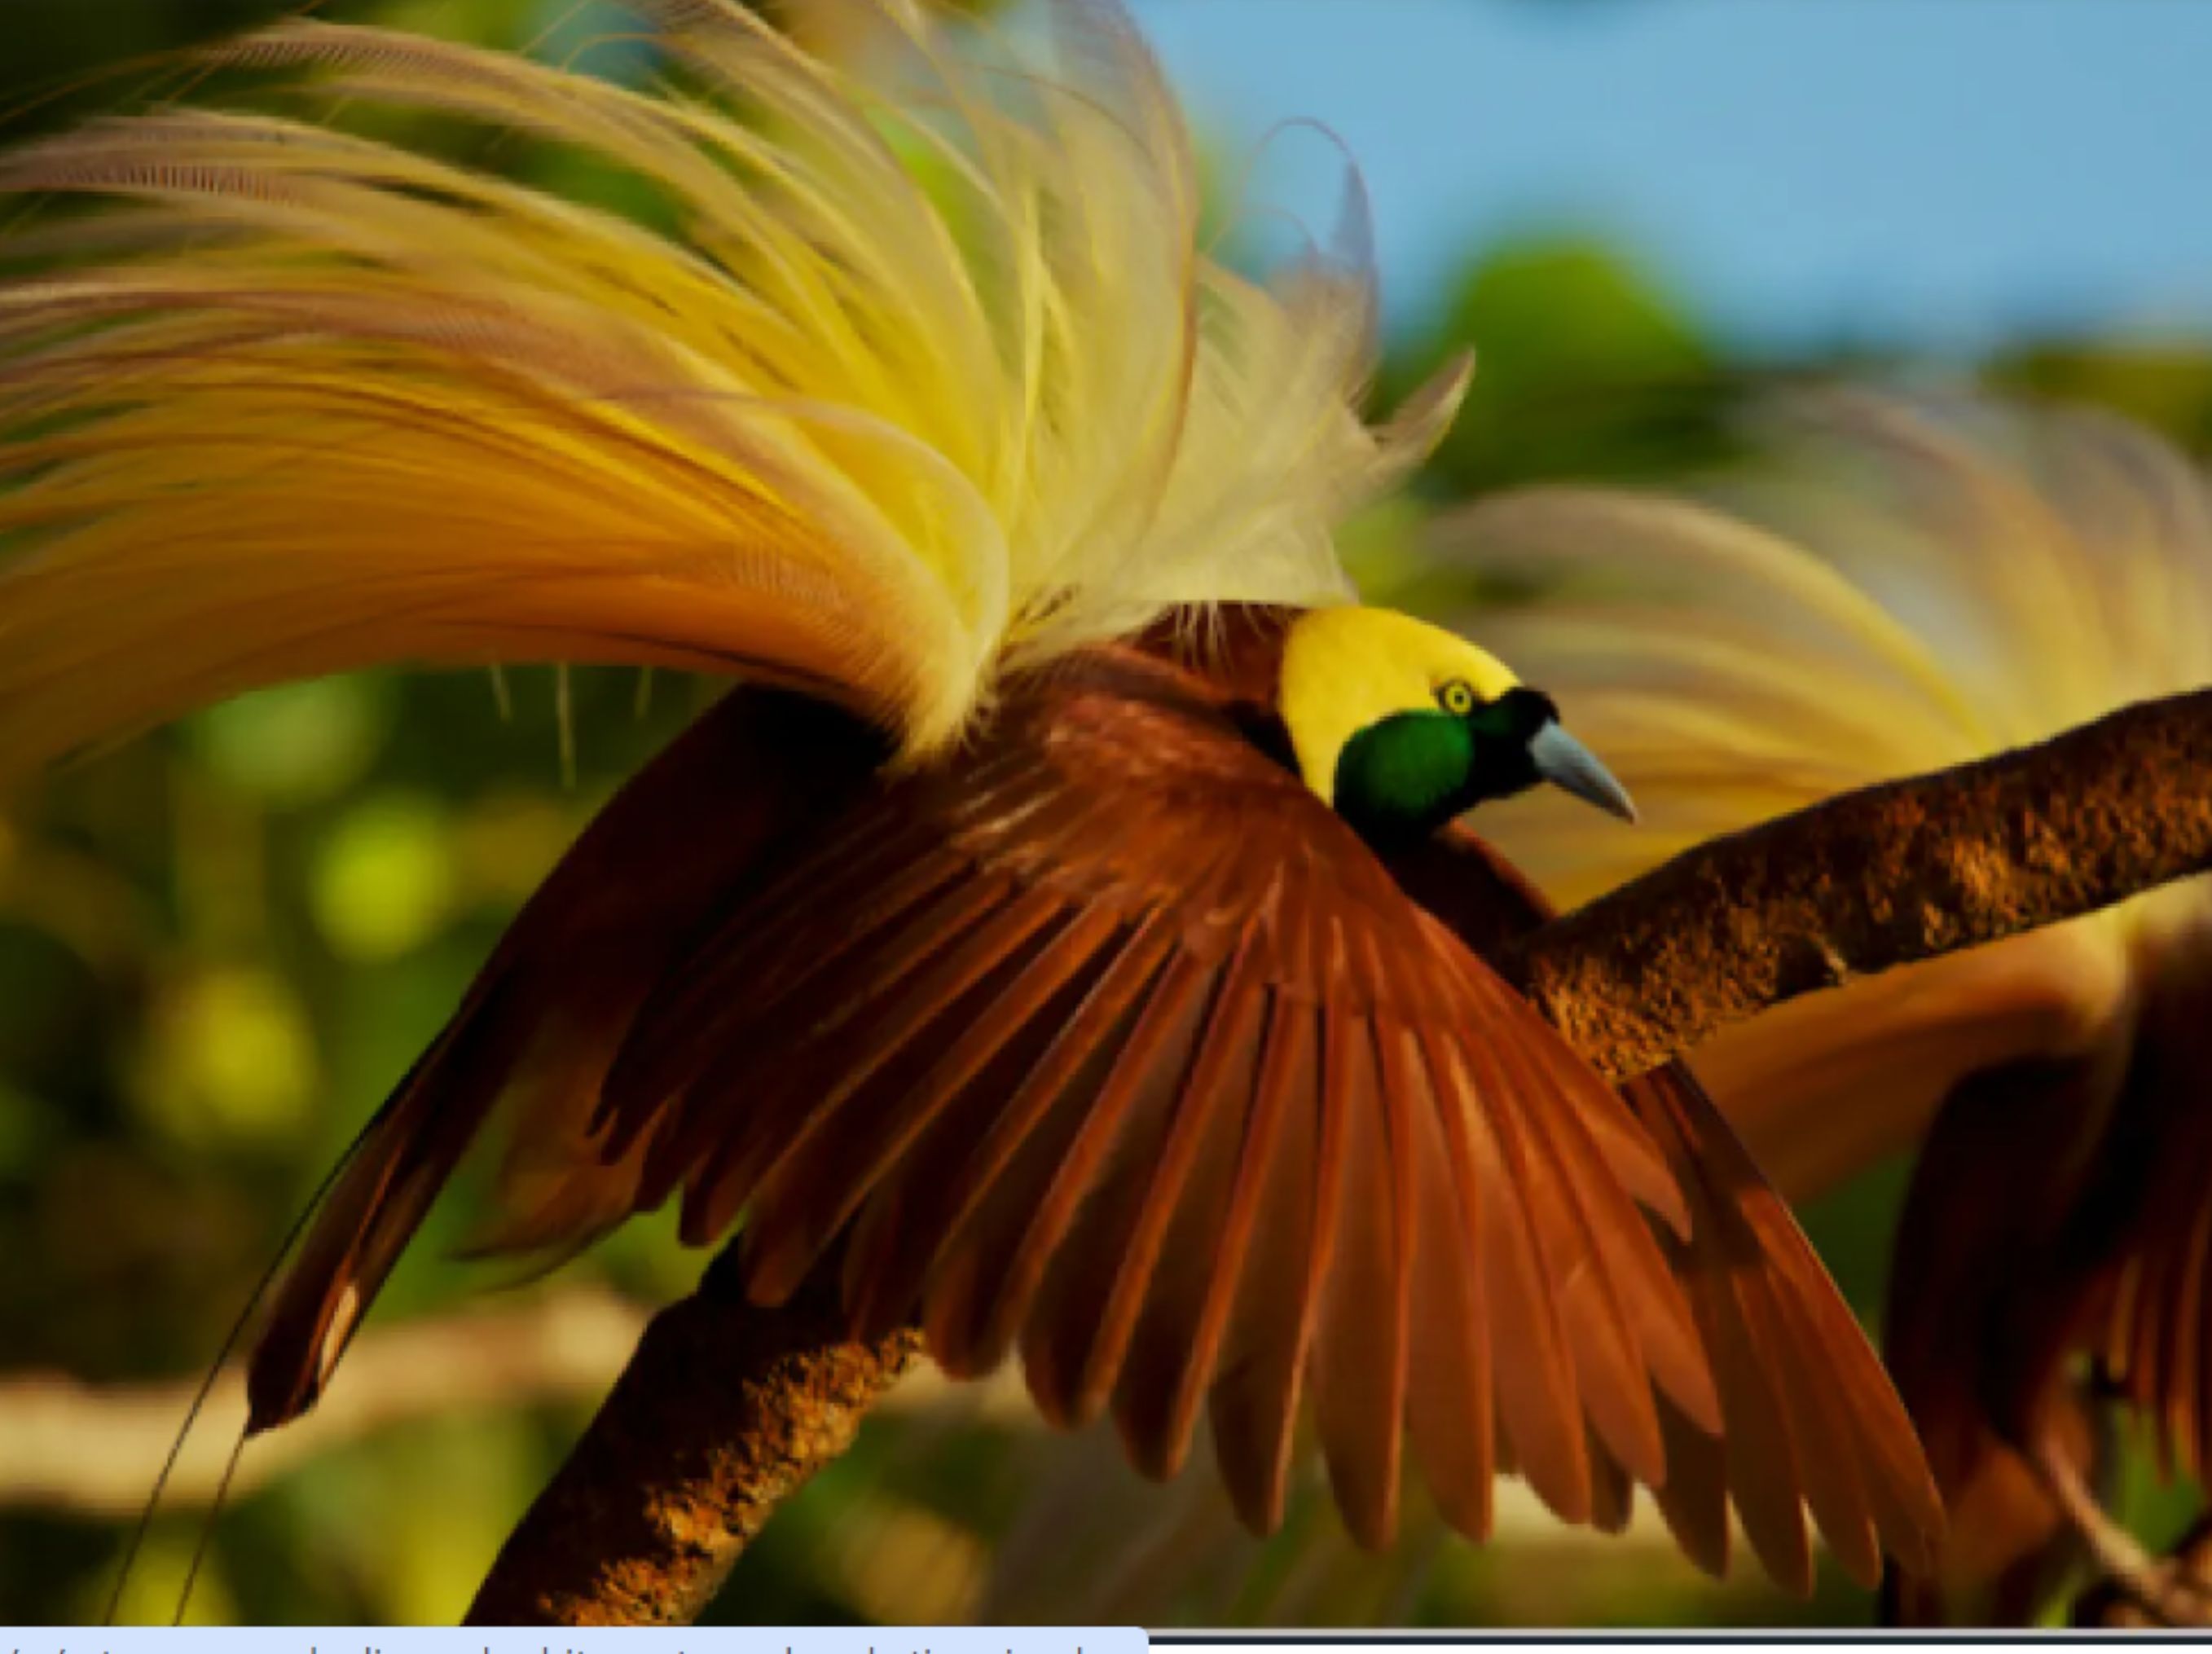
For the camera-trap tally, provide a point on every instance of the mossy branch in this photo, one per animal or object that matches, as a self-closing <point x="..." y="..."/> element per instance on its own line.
<point x="726" y="1410"/>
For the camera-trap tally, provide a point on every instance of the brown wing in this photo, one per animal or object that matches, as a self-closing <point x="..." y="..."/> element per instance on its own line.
<point x="537" y="1029"/>
<point x="1112" y="1043"/>
<point x="1808" y="1416"/>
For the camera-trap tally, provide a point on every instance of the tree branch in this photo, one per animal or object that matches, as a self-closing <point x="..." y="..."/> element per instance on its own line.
<point x="1876" y="879"/>
<point x="73" y="1447"/>
<point x="726" y="1409"/>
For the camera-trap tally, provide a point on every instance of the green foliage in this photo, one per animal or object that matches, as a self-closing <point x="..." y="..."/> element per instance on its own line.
<point x="1583" y="367"/>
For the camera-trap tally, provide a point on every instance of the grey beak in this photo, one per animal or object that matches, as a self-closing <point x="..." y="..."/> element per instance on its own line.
<point x="1572" y="767"/>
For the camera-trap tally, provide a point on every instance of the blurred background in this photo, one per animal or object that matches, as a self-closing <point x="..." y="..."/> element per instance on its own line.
<point x="219" y="946"/>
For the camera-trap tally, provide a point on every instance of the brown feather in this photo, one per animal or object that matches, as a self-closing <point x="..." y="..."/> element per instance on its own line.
<point x="1273" y="1089"/>
<point x="989" y="1270"/>
<point x="1613" y="1490"/>
<point x="1208" y="1100"/>
<point x="1538" y="1394"/>
<point x="935" y="1184"/>
<point x="1087" y="1225"/>
<point x="868" y="1121"/>
<point x="1255" y="1401"/>
<point x="1450" y="1395"/>
<point x="1694" y="1499"/>
<point x="1616" y="1392"/>
<point x="1359" y="1364"/>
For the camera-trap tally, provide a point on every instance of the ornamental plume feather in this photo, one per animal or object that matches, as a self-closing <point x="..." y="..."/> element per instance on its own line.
<point x="929" y="375"/>
<point x="1977" y="575"/>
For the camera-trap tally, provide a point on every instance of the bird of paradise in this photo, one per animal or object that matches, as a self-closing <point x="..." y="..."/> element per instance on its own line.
<point x="1897" y="586"/>
<point x="1064" y="931"/>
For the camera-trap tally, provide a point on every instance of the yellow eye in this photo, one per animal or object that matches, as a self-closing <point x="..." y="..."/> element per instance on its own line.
<point x="1456" y="698"/>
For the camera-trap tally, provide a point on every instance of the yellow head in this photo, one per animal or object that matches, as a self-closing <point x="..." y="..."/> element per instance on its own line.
<point x="1400" y="726"/>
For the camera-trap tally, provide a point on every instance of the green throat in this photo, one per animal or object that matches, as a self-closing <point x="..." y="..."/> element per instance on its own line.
<point x="1406" y="776"/>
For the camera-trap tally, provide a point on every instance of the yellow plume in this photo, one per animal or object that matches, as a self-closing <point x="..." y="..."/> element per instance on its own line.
<point x="931" y="377"/>
<point x="1890" y="588"/>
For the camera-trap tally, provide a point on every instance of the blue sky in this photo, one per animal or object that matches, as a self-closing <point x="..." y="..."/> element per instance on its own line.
<point x="1942" y="174"/>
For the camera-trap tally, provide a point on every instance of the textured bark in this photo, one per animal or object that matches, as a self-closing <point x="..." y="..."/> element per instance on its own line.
<point x="1877" y="878"/>
<point x="726" y="1409"/>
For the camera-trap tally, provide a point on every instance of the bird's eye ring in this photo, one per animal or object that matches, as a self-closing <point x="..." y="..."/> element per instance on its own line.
<point x="1456" y="697"/>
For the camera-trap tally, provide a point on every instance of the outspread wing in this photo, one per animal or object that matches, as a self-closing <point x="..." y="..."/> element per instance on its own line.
<point x="1112" y="1044"/>
<point x="1810" y="1419"/>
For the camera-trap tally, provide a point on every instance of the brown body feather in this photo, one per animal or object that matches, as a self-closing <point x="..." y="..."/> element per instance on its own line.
<point x="1108" y="1042"/>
